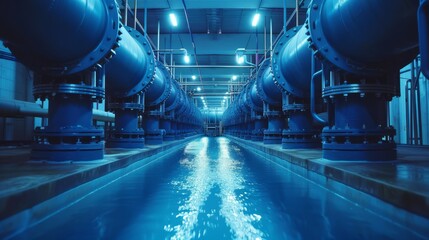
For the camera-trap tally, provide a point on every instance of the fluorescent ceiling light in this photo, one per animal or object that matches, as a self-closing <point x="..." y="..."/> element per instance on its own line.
<point x="240" y="59"/>
<point x="186" y="58"/>
<point x="194" y="77"/>
<point x="255" y="19"/>
<point x="234" y="77"/>
<point x="173" y="19"/>
<point x="202" y="97"/>
<point x="198" y="89"/>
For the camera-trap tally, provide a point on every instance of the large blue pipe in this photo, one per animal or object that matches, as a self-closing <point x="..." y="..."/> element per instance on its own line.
<point x="365" y="37"/>
<point x="362" y="45"/>
<point x="68" y="43"/>
<point x="291" y="62"/>
<point x="155" y="96"/>
<point x="59" y="37"/>
<point x="171" y="103"/>
<point x="254" y="102"/>
<point x="267" y="89"/>
<point x="132" y="69"/>
<point x="65" y="43"/>
<point x="271" y="95"/>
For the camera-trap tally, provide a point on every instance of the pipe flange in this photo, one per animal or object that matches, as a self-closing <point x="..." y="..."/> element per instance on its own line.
<point x="323" y="49"/>
<point x="362" y="89"/>
<point x="148" y="78"/>
<point x="279" y="79"/>
<point x="46" y="90"/>
<point x="168" y="85"/>
<point x="177" y="100"/>
<point x="242" y="106"/>
<point x="102" y="53"/>
<point x="250" y="102"/>
<point x="262" y="94"/>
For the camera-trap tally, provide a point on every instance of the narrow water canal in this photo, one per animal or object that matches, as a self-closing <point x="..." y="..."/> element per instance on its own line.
<point x="213" y="189"/>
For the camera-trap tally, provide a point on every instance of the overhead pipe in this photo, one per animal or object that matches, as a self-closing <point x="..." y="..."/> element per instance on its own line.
<point x="361" y="71"/>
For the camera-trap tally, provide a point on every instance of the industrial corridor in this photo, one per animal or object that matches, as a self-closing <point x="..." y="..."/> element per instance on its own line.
<point x="201" y="119"/>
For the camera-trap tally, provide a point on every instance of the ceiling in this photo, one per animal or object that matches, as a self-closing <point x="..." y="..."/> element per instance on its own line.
<point x="218" y="28"/>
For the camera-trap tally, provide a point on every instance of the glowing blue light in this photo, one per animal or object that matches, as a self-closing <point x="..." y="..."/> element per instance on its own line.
<point x="173" y="19"/>
<point x="255" y="19"/>
<point x="186" y="58"/>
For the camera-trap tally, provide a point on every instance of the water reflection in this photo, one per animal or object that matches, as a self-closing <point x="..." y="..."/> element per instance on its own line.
<point x="213" y="171"/>
<point x="198" y="184"/>
<point x="230" y="180"/>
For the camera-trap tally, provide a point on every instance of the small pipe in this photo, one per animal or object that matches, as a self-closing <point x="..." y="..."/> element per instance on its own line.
<point x="126" y="13"/>
<point x="284" y="16"/>
<point x="297" y="12"/>
<point x="313" y="93"/>
<point x="135" y="14"/>
<point x="145" y="19"/>
<point x="265" y="38"/>
<point x="413" y="104"/>
<point x="407" y="111"/>
<point x="18" y="108"/>
<point x="419" y="109"/>
<point x="158" y="39"/>
<point x="271" y="37"/>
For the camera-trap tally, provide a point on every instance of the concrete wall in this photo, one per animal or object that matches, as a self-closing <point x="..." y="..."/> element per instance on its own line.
<point x="398" y="116"/>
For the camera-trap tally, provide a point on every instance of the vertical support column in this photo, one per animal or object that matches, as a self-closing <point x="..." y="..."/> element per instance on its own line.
<point x="69" y="135"/>
<point x="126" y="133"/>
<point x="358" y="127"/>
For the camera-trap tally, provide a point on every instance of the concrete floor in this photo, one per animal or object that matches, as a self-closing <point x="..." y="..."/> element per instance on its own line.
<point x="403" y="183"/>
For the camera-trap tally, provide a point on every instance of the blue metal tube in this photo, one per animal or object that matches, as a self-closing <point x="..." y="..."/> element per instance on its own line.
<point x="349" y="35"/>
<point x="292" y="62"/>
<point x="266" y="88"/>
<point x="133" y="67"/>
<point x="254" y="100"/>
<point x="160" y="88"/>
<point x="59" y="37"/>
<point x="361" y="65"/>
<point x="173" y="99"/>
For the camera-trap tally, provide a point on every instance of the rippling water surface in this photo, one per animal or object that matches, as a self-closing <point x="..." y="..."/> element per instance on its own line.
<point x="212" y="189"/>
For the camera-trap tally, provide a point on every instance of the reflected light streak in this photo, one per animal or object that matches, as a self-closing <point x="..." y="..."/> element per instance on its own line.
<point x="230" y="180"/>
<point x="199" y="184"/>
